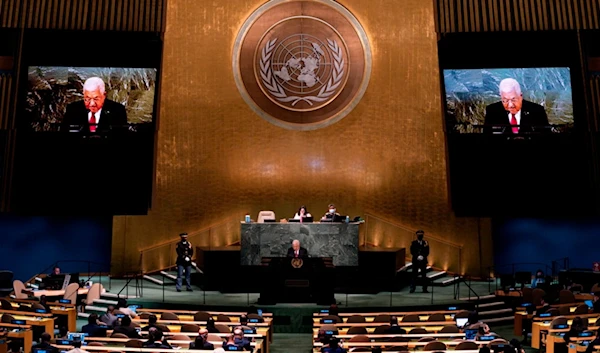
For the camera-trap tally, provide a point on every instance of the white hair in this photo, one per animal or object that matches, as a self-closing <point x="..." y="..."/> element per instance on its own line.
<point x="509" y="85"/>
<point x="94" y="83"/>
<point x="296" y="241"/>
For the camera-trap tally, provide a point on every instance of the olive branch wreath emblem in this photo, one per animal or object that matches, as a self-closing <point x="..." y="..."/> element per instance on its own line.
<point x="271" y="84"/>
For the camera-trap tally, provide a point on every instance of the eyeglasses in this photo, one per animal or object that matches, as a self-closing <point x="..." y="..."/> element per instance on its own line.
<point x="96" y="100"/>
<point x="513" y="101"/>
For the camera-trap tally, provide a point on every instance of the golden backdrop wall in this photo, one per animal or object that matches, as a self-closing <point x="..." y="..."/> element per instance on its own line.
<point x="217" y="159"/>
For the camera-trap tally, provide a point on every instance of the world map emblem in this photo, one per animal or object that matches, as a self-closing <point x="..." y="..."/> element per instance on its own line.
<point x="298" y="70"/>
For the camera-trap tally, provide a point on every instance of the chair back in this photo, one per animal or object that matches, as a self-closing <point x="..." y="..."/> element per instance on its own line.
<point x="463" y="314"/>
<point x="118" y="335"/>
<point x="435" y="346"/>
<point x="190" y="328"/>
<point x="71" y="292"/>
<point x="180" y="338"/>
<point x="450" y="329"/>
<point x="145" y="315"/>
<point x="19" y="287"/>
<point x="496" y="342"/>
<point x="37" y="306"/>
<point x="357" y="330"/>
<point x="6" y="282"/>
<point x="436" y="318"/>
<point x="334" y="318"/>
<point x="201" y="316"/>
<point x="96" y="344"/>
<point x="426" y="339"/>
<point x="256" y="316"/>
<point x="595" y="288"/>
<point x="581" y="309"/>
<point x="134" y="343"/>
<point x="527" y="295"/>
<point x="94" y="293"/>
<point x="163" y="328"/>
<point x="169" y="316"/>
<point x="538" y="294"/>
<point x="262" y="215"/>
<point x="223" y="318"/>
<point x="213" y="338"/>
<point x="7" y="318"/>
<point x="6" y="305"/>
<point x="360" y="338"/>
<point x="412" y="318"/>
<point x="564" y="310"/>
<point x="566" y="296"/>
<point x="417" y="331"/>
<point x="561" y="320"/>
<point x="382" y="318"/>
<point x="356" y="319"/>
<point x="381" y="330"/>
<point x="223" y="328"/>
<point x="466" y="346"/>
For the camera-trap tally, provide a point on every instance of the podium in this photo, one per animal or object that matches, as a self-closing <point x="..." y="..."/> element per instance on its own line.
<point x="297" y="280"/>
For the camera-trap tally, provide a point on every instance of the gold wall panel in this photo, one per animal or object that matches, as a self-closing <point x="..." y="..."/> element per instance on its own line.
<point x="217" y="159"/>
<point x="118" y="15"/>
<point x="515" y="15"/>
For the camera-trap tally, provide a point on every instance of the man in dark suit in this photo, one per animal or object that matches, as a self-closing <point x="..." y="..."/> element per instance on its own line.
<point x="296" y="250"/>
<point x="522" y="116"/>
<point x="94" y="112"/>
<point x="419" y="249"/>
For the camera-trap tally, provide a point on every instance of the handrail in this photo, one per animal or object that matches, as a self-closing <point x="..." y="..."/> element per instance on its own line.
<point x="457" y="290"/>
<point x="397" y="225"/>
<point x="191" y="234"/>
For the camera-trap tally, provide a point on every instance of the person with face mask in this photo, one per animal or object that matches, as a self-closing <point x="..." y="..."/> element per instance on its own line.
<point x="330" y="214"/>
<point x="184" y="262"/>
<point x="419" y="249"/>
<point x="539" y="279"/>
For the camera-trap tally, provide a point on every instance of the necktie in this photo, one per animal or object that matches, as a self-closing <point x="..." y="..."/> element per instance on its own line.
<point x="93" y="122"/>
<point x="513" y="122"/>
<point x="296" y="253"/>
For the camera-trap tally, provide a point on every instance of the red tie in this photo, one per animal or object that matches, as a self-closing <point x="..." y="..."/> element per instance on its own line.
<point x="513" y="122"/>
<point x="93" y="122"/>
<point x="296" y="253"/>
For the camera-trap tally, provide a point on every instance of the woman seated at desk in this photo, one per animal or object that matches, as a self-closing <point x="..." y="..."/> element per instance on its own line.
<point x="302" y="213"/>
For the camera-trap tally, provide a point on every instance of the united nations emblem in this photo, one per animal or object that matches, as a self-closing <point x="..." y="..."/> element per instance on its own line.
<point x="296" y="69"/>
<point x="297" y="262"/>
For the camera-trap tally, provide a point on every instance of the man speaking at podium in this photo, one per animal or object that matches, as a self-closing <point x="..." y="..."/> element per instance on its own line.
<point x="297" y="251"/>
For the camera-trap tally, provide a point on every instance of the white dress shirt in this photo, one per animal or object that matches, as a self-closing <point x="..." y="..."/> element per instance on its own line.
<point x="297" y="216"/>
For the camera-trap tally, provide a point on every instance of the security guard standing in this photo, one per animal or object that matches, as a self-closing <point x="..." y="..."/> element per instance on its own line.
<point x="419" y="249"/>
<point x="184" y="262"/>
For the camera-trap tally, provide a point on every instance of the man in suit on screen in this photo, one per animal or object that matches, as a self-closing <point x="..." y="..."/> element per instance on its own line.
<point x="94" y="112"/>
<point x="296" y="250"/>
<point x="522" y="116"/>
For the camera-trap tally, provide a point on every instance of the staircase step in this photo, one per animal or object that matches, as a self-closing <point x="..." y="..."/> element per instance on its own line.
<point x="481" y="297"/>
<point x="494" y="312"/>
<point x="154" y="280"/>
<point x="169" y="275"/>
<point x="85" y="315"/>
<point x="96" y="308"/>
<point x="105" y="301"/>
<point x="436" y="274"/>
<point x="114" y="295"/>
<point x="486" y="305"/>
<point x="501" y="319"/>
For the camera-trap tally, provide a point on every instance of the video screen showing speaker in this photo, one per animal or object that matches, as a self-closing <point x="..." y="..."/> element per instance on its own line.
<point x="502" y="101"/>
<point x="90" y="99"/>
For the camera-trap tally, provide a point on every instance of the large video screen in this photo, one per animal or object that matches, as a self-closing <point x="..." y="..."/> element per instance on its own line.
<point x="509" y="100"/>
<point x="89" y="99"/>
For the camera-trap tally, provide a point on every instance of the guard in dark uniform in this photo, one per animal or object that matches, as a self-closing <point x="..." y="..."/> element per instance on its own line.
<point x="419" y="249"/>
<point x="184" y="262"/>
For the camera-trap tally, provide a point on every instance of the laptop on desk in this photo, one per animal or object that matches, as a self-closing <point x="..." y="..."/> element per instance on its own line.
<point x="335" y="219"/>
<point x="305" y="220"/>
